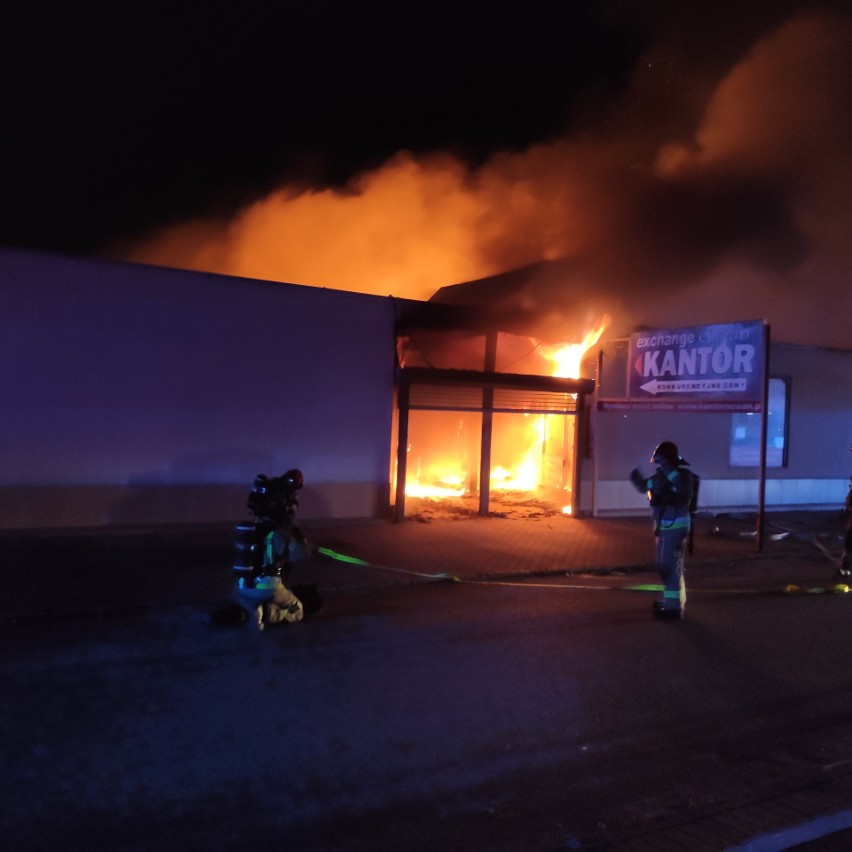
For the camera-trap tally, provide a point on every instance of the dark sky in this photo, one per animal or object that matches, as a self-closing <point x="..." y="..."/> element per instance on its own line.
<point x="651" y="140"/>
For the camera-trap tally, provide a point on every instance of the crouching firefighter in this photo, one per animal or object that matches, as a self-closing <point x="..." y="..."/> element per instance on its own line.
<point x="672" y="492"/>
<point x="265" y="549"/>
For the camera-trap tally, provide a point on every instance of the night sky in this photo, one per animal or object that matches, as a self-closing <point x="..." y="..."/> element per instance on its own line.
<point x="661" y="147"/>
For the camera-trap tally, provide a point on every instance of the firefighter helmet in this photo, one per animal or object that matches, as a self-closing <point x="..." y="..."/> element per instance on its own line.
<point x="294" y="478"/>
<point x="667" y="452"/>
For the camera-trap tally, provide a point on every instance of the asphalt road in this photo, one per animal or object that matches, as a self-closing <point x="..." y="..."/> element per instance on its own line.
<point x="536" y="715"/>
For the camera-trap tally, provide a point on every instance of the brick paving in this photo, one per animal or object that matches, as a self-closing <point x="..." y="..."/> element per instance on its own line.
<point x="67" y="573"/>
<point x="52" y="574"/>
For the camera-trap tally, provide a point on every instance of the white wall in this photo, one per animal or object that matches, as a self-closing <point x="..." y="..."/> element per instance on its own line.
<point x="820" y="434"/>
<point x="134" y="394"/>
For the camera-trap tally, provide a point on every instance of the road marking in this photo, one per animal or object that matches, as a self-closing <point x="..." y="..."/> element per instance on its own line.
<point x="775" y="841"/>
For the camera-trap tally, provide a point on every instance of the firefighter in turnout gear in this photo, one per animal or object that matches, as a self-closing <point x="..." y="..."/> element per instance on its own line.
<point x="265" y="548"/>
<point x="268" y="596"/>
<point x="671" y="492"/>
<point x="844" y="569"/>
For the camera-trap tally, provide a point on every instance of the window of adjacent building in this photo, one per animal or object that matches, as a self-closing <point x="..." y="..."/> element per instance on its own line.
<point x="745" y="431"/>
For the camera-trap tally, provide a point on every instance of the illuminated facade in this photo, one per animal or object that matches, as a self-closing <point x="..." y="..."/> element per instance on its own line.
<point x="139" y="395"/>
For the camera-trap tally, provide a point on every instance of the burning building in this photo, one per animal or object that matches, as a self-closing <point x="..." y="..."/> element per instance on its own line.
<point x="806" y="395"/>
<point x="143" y="395"/>
<point x="486" y="408"/>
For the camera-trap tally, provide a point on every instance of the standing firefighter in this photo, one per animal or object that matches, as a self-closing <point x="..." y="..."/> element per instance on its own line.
<point x="672" y="492"/>
<point x="844" y="568"/>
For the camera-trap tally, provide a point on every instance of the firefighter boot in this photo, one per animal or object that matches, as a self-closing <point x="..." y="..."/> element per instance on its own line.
<point x="663" y="613"/>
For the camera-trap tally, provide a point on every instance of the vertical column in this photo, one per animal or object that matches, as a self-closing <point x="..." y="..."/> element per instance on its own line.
<point x="764" y="434"/>
<point x="577" y="451"/>
<point x="487" y="425"/>
<point x="403" y="395"/>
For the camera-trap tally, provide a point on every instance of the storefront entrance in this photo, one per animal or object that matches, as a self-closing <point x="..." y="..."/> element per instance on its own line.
<point x="468" y="436"/>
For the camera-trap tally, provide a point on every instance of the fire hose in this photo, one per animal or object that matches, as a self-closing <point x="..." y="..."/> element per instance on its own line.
<point x="789" y="589"/>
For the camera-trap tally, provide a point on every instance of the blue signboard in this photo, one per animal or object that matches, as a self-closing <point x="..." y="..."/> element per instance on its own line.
<point x="705" y="368"/>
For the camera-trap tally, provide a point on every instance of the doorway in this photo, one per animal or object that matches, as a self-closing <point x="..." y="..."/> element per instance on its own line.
<point x="471" y="442"/>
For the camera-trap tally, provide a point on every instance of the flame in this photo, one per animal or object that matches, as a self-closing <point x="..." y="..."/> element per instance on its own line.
<point x="568" y="357"/>
<point x="526" y="471"/>
<point x="649" y="211"/>
<point x="435" y="492"/>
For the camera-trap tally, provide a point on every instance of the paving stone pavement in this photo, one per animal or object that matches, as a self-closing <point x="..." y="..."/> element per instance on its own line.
<point x="66" y="573"/>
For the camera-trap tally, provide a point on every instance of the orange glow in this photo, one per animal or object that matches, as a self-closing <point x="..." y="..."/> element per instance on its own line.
<point x="524" y="460"/>
<point x="406" y="229"/>
<point x="567" y="358"/>
<point x="628" y="212"/>
<point x="435" y="492"/>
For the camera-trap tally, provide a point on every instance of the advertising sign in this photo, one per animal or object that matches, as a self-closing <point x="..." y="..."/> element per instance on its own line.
<point x="704" y="368"/>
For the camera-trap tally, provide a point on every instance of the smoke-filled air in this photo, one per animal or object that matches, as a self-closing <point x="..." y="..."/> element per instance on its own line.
<point x="743" y="214"/>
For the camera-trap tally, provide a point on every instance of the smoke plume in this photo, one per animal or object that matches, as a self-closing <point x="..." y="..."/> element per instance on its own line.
<point x="746" y="216"/>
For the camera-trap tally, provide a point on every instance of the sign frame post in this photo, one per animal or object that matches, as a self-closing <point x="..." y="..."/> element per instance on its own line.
<point x="764" y="432"/>
<point x="713" y="368"/>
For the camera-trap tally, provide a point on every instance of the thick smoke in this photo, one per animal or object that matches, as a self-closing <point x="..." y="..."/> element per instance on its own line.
<point x="745" y="217"/>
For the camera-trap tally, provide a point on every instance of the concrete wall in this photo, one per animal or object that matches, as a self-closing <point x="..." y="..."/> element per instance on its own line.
<point x="818" y="459"/>
<point x="136" y="395"/>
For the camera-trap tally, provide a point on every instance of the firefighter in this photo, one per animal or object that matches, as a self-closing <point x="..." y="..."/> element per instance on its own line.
<point x="265" y="549"/>
<point x="670" y="492"/>
<point x="843" y="568"/>
<point x="268" y="598"/>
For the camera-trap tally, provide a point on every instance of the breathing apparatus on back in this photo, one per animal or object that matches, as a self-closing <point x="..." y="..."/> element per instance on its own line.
<point x="669" y="494"/>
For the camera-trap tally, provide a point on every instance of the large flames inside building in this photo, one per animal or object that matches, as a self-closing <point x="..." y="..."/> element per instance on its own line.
<point x="532" y="454"/>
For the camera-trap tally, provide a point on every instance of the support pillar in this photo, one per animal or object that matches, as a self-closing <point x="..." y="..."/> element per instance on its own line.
<point x="403" y="394"/>
<point x="487" y="425"/>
